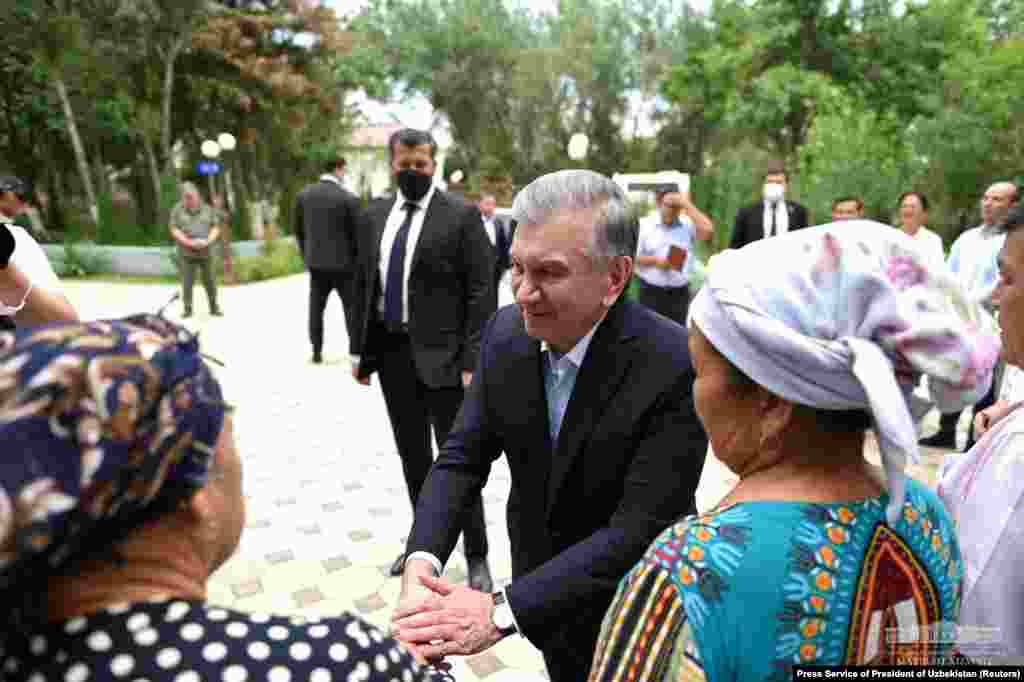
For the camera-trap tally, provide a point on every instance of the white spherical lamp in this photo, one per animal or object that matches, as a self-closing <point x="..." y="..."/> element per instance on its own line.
<point x="226" y="141"/>
<point x="578" y="144"/>
<point x="210" y="149"/>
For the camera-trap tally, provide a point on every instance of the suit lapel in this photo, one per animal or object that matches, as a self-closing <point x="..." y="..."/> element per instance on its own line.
<point x="603" y="370"/>
<point x="435" y="211"/>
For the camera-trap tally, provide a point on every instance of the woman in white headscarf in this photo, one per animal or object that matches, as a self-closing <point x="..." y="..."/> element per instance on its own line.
<point x="801" y="343"/>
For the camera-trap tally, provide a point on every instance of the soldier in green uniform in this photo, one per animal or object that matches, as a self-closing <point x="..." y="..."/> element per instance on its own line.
<point x="195" y="226"/>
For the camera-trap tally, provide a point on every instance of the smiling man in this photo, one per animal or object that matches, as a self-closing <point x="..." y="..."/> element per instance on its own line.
<point x="590" y="398"/>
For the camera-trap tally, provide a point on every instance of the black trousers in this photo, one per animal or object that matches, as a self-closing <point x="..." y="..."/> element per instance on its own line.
<point x="321" y="284"/>
<point x="413" y="408"/>
<point x="672" y="302"/>
<point x="188" y="273"/>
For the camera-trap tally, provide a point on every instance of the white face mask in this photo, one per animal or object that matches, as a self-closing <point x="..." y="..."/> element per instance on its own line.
<point x="773" y="191"/>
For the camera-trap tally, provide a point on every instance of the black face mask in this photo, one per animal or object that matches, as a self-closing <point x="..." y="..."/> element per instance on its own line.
<point x="414" y="185"/>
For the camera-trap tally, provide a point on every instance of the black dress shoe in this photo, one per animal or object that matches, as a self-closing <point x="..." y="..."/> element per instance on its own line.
<point x="217" y="312"/>
<point x="317" y="358"/>
<point x="479" y="574"/>
<point x="187" y="313"/>
<point x="941" y="439"/>
<point x="398" y="566"/>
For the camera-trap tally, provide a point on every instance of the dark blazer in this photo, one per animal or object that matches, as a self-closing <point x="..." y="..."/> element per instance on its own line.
<point x="451" y="289"/>
<point x="326" y="220"/>
<point x="580" y="513"/>
<point x="502" y="244"/>
<point x="749" y="224"/>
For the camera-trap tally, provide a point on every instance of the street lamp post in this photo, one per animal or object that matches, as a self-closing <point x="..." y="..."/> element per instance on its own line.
<point x="211" y="150"/>
<point x="227" y="142"/>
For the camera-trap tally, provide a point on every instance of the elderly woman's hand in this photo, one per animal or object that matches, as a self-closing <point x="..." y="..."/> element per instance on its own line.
<point x="990" y="416"/>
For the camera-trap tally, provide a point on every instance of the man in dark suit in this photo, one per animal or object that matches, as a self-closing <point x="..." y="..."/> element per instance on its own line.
<point x="498" y="234"/>
<point x="327" y="220"/>
<point x="771" y="216"/>
<point x="427" y="290"/>
<point x="590" y="398"/>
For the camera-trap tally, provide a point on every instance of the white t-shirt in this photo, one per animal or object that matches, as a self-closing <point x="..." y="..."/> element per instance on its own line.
<point x="929" y="245"/>
<point x="31" y="260"/>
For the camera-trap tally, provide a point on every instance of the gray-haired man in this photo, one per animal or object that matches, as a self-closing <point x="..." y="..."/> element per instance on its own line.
<point x="590" y="398"/>
<point x="194" y="225"/>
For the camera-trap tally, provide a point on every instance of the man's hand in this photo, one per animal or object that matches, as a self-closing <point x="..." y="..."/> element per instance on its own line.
<point x="664" y="264"/>
<point x="365" y="381"/>
<point x="457" y="620"/>
<point x="467" y="378"/>
<point x="990" y="416"/>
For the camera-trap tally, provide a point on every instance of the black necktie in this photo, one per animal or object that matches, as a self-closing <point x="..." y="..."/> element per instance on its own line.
<point x="773" y="207"/>
<point x="396" y="273"/>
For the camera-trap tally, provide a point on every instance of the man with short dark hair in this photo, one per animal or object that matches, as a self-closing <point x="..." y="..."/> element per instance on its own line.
<point x="498" y="234"/>
<point x="427" y="291"/>
<point x="327" y="221"/>
<point x="847" y="208"/>
<point x="664" y="257"/>
<point x="590" y="397"/>
<point x="30" y="292"/>
<point x="773" y="215"/>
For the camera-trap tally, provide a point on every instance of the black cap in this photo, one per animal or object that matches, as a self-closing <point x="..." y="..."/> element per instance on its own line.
<point x="11" y="183"/>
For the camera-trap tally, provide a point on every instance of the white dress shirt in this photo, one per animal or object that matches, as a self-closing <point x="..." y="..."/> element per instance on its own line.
<point x="395" y="220"/>
<point x="489" y="229"/>
<point x="781" y="217"/>
<point x="929" y="245"/>
<point x="656" y="239"/>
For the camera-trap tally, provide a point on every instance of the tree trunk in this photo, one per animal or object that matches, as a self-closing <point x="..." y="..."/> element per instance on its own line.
<point x="154" y="176"/>
<point x="166" y="143"/>
<point x="76" y="143"/>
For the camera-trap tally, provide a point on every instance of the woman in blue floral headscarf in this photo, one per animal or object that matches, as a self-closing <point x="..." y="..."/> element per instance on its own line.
<point x="120" y="493"/>
<point x="800" y="344"/>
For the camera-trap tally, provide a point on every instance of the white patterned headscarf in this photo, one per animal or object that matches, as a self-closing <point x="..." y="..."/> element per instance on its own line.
<point x="848" y="316"/>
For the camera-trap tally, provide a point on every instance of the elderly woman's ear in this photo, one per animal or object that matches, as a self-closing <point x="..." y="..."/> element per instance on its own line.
<point x="776" y="418"/>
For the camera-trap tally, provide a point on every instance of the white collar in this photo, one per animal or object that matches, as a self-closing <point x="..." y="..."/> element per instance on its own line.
<point x="400" y="199"/>
<point x="331" y="177"/>
<point x="579" y="351"/>
<point x="5" y="219"/>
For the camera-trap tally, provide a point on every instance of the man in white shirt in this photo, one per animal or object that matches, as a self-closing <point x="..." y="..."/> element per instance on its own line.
<point x="913" y="214"/>
<point x="30" y="292"/>
<point x="974" y="260"/>
<point x="664" y="255"/>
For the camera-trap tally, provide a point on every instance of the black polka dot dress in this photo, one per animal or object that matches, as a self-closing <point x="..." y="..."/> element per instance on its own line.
<point x="187" y="641"/>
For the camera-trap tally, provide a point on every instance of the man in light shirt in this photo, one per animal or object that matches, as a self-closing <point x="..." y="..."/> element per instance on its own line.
<point x="30" y="292"/>
<point x="913" y="214"/>
<point x="974" y="260"/>
<point x="664" y="256"/>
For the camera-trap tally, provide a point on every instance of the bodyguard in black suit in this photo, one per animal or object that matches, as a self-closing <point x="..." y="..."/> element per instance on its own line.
<point x="427" y="292"/>
<point x="590" y="398"/>
<point x="499" y="235"/>
<point x="771" y="216"/>
<point x="327" y="220"/>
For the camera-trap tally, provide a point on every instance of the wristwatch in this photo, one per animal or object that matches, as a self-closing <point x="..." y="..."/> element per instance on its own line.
<point x="501" y="616"/>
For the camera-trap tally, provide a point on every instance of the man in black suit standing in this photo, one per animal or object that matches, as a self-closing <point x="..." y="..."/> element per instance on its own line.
<point x="590" y="397"/>
<point x="427" y="291"/>
<point x="327" y="221"/>
<point x="498" y="234"/>
<point x="771" y="216"/>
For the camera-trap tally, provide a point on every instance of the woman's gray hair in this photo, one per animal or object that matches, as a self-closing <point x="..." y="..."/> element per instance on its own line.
<point x="616" y="227"/>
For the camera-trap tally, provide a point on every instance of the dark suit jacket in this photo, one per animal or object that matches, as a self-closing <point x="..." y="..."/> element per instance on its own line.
<point x="580" y="514"/>
<point x="451" y="289"/>
<point x="749" y="224"/>
<point x="327" y="220"/>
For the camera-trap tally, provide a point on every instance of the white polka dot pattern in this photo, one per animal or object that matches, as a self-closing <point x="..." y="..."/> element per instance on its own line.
<point x="174" y="640"/>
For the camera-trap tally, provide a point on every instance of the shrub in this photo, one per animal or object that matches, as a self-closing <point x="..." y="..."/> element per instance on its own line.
<point x="279" y="259"/>
<point x="78" y="261"/>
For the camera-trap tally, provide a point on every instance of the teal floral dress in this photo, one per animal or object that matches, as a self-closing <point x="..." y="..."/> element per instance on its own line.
<point x="746" y="591"/>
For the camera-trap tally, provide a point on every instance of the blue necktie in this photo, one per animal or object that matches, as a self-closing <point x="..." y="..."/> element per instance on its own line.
<point x="396" y="272"/>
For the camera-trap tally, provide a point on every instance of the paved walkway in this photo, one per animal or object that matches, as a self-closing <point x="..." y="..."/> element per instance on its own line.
<point x="327" y="508"/>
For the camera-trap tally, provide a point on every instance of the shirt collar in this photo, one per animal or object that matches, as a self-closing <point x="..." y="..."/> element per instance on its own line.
<point x="400" y="200"/>
<point x="330" y="177"/>
<point x="579" y="351"/>
<point x="4" y="218"/>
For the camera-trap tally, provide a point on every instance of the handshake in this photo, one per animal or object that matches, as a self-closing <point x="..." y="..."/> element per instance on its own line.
<point x="6" y="245"/>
